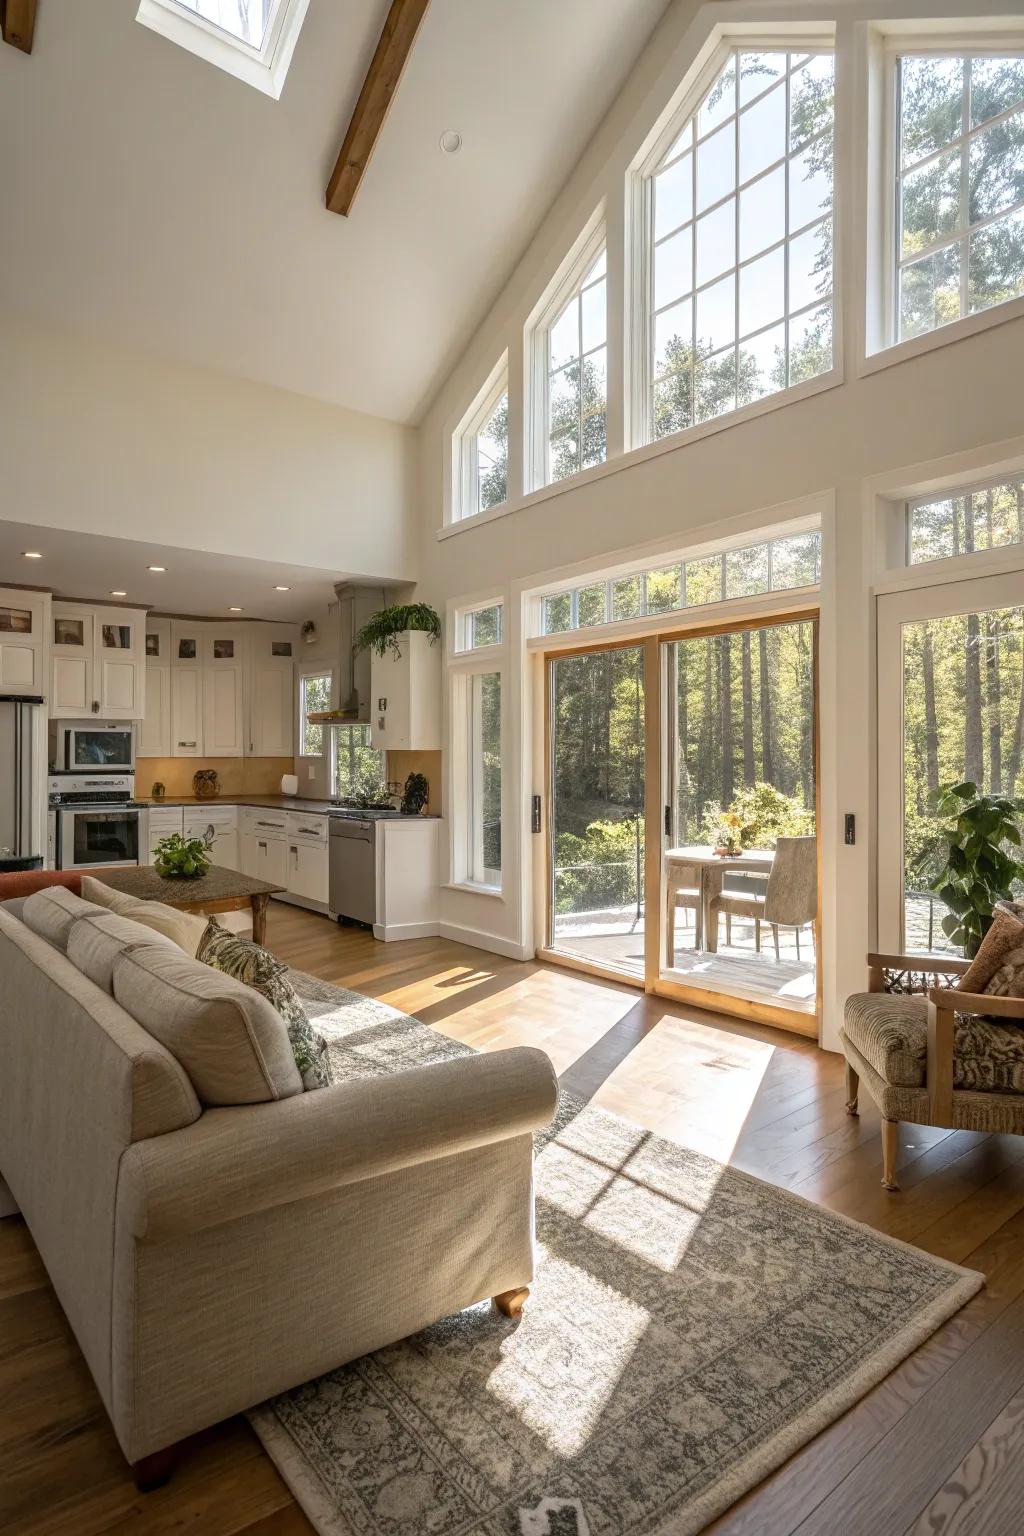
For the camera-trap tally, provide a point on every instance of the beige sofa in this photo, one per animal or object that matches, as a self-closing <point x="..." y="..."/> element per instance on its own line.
<point x="209" y="1257"/>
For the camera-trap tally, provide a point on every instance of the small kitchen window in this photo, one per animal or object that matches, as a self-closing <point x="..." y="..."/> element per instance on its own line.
<point x="314" y="697"/>
<point x="358" y="771"/>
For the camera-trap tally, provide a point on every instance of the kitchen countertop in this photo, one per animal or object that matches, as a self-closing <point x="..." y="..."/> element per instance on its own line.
<point x="269" y="802"/>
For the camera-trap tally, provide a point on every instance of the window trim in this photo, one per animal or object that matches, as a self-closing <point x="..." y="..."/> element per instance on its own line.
<point x="465" y="469"/>
<point x="567" y="281"/>
<point x="641" y="243"/>
<point x="264" y="68"/>
<point x="304" y="675"/>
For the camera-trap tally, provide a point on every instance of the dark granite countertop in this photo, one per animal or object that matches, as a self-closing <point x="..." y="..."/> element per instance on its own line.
<point x="216" y="885"/>
<point x="269" y="802"/>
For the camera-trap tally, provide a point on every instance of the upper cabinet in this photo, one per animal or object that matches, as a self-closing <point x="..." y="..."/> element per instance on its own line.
<point x="271" y="712"/>
<point x="24" y="617"/>
<point x="155" y="734"/>
<point x="405" y="696"/>
<point x="97" y="664"/>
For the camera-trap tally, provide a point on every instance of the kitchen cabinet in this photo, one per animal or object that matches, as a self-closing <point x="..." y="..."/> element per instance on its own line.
<point x="223" y="819"/>
<point x="97" y="664"/>
<point x="222" y="711"/>
<point x="24" y="621"/>
<point x="405" y="696"/>
<point x="160" y="821"/>
<point x="308" y="857"/>
<point x="271" y="710"/>
<point x="240" y="699"/>
<point x="155" y="732"/>
<point x="186" y="712"/>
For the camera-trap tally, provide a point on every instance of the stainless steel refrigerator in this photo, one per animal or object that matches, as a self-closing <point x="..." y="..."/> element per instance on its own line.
<point x="22" y="781"/>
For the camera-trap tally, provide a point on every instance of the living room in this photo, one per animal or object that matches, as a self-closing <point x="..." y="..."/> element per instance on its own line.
<point x="511" y="766"/>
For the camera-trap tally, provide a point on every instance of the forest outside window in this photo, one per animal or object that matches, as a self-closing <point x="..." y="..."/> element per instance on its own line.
<point x="480" y="467"/>
<point x="943" y="527"/>
<point x="479" y="627"/>
<point x="358" y="771"/>
<point x="575" y="368"/>
<point x="740" y="240"/>
<point x="314" y="697"/>
<point x="483" y="779"/>
<point x="959" y="183"/>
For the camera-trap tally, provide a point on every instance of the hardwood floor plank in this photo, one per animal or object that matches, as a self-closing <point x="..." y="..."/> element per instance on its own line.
<point x="985" y="1495"/>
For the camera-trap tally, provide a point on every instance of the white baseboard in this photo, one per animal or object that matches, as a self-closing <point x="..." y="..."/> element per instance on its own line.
<point x="388" y="932"/>
<point x="492" y="941"/>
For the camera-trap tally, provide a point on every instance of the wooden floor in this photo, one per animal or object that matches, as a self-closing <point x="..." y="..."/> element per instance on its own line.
<point x="936" y="1450"/>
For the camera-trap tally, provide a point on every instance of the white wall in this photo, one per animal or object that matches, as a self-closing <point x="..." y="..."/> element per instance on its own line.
<point x="949" y="400"/>
<point x="108" y="441"/>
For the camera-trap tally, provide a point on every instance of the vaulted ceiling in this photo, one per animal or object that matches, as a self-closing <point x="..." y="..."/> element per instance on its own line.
<point x="152" y="199"/>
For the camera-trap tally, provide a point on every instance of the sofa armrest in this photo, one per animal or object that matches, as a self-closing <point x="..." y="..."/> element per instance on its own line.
<point x="233" y="1162"/>
<point x="914" y="965"/>
<point x="944" y="1003"/>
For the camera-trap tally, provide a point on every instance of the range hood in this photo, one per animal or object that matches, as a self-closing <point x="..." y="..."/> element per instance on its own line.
<point x="356" y="605"/>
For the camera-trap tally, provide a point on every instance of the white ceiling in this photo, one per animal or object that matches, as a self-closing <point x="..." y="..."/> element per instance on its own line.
<point x="155" y="200"/>
<point x="91" y="567"/>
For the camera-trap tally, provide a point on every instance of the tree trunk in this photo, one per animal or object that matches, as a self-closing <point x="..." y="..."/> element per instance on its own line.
<point x="974" y="755"/>
<point x="725" y="653"/>
<point x="749" y="766"/>
<point x="931" y="728"/>
<point x="767" y="747"/>
<point x="1017" y="745"/>
<point x="705" y="745"/>
<point x="992" y="701"/>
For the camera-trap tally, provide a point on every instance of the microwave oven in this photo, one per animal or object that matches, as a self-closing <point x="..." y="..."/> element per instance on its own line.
<point x="90" y="746"/>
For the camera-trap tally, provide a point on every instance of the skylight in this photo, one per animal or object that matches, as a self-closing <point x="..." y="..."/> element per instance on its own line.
<point x="251" y="39"/>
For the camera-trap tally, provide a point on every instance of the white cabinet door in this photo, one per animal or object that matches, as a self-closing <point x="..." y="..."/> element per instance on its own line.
<point x="307" y="872"/>
<point x="223" y="730"/>
<point x="247" y="854"/>
<point x="72" y="658"/>
<point x="155" y="735"/>
<point x="161" y="821"/>
<point x="186" y="712"/>
<point x="272" y="733"/>
<point x="22" y="642"/>
<point x="271" y="861"/>
<point x="119" y="674"/>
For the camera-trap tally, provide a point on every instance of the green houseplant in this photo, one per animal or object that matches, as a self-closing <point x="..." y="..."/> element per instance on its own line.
<point x="181" y="858"/>
<point x="979" y="866"/>
<point x="381" y="633"/>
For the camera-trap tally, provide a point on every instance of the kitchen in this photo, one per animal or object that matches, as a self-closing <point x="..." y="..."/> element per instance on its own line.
<point x="111" y="717"/>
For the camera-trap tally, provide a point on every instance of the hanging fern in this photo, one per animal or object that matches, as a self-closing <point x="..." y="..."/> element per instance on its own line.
<point x="381" y="633"/>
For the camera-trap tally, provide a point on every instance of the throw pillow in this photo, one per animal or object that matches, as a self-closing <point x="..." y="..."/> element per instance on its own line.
<point x="1008" y="981"/>
<point x="256" y="967"/>
<point x="1005" y="935"/>
<point x="185" y="929"/>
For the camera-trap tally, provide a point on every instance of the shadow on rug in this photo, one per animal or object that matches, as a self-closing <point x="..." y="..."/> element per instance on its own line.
<point x="689" y="1328"/>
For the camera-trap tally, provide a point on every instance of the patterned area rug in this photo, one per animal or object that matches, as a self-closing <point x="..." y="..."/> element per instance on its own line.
<point x="689" y="1328"/>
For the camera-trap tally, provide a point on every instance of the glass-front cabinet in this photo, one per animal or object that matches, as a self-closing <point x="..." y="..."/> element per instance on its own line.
<point x="24" y="617"/>
<point x="97" y="662"/>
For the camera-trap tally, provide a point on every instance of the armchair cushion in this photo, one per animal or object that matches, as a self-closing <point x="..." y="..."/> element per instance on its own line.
<point x="890" y="1031"/>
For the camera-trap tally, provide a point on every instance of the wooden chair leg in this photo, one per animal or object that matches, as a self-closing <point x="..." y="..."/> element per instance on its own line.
<point x="155" y="1470"/>
<point x="852" y="1090"/>
<point x="511" y="1303"/>
<point x="890" y="1142"/>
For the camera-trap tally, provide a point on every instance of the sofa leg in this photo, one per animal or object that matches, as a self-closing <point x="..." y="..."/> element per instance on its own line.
<point x="890" y="1141"/>
<point x="852" y="1090"/>
<point x="511" y="1303"/>
<point x="155" y="1470"/>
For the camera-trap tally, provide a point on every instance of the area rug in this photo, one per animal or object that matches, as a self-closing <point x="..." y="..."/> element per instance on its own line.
<point x="689" y="1328"/>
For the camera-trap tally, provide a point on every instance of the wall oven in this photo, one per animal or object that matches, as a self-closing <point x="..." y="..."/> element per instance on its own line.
<point x="89" y="746"/>
<point x="93" y="823"/>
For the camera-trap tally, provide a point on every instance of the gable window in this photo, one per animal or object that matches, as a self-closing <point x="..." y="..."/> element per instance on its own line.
<point x="251" y="39"/>
<point x="964" y="523"/>
<point x="572" y="370"/>
<point x="314" y="696"/>
<point x="480" y="450"/>
<point x="740" y="240"/>
<point x="959" y="183"/>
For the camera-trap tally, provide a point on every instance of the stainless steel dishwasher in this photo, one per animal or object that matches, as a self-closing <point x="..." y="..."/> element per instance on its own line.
<point x="352" y="891"/>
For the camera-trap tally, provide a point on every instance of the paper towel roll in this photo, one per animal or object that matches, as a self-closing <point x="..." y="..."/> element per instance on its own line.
<point x="289" y="784"/>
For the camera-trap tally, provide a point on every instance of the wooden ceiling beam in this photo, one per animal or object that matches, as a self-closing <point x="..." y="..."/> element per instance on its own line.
<point x="17" y="22"/>
<point x="375" y="98"/>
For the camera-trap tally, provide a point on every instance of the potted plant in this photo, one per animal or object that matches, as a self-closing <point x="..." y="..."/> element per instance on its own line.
<point x="979" y="866"/>
<point x="415" y="794"/>
<point x="730" y="835"/>
<point x="381" y="633"/>
<point x="181" y="858"/>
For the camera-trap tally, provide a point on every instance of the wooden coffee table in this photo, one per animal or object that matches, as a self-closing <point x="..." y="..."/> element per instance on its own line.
<point x="219" y="890"/>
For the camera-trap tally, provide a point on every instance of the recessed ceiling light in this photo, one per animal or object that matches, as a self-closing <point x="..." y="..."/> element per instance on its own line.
<point x="282" y="589"/>
<point x="32" y="554"/>
<point x="156" y="567"/>
<point x="450" y="141"/>
<point x="234" y="610"/>
<point x="119" y="594"/>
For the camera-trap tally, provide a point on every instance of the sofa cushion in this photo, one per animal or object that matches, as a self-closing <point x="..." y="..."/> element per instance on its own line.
<point x="96" y="942"/>
<point x="15" y="906"/>
<point x="230" y="1041"/>
<point x="51" y="913"/>
<point x="256" y="967"/>
<point x="891" y="1032"/>
<point x="185" y="929"/>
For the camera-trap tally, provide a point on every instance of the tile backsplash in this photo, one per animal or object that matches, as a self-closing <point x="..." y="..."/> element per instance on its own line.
<point x="237" y="775"/>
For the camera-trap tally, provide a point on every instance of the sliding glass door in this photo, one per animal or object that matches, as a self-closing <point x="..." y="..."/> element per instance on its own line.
<point x="596" y="771"/>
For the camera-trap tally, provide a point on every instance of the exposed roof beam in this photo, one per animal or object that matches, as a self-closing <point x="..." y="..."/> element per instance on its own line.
<point x="17" y="21"/>
<point x="375" y="100"/>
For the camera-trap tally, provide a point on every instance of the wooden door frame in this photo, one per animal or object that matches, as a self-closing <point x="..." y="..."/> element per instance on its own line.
<point x="655" y="738"/>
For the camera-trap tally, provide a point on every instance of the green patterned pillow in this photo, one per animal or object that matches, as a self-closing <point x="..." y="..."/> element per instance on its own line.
<point x="256" y="967"/>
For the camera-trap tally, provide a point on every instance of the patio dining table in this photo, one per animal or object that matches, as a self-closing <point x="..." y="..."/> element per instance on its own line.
<point x="711" y="869"/>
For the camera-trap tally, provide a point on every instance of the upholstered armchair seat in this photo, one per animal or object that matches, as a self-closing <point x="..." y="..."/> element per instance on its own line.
<point x="891" y="1034"/>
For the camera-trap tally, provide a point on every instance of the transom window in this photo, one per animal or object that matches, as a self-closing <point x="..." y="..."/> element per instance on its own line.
<point x="963" y="524"/>
<point x="478" y="627"/>
<point x="959" y="187"/>
<point x="741" y="230"/>
<point x="577" y="376"/>
<point x="251" y="39"/>
<point x="480" y="468"/>
<point x="778" y="565"/>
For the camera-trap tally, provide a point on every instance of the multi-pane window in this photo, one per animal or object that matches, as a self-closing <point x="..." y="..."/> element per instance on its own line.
<point x="477" y="627"/>
<point x="945" y="526"/>
<point x="577" y="377"/>
<point x="252" y="39"/>
<point x="481" y="443"/>
<point x="959" y="187"/>
<point x="314" y="697"/>
<point x="358" y="771"/>
<point x="483" y="820"/>
<point x="741" y="211"/>
<point x="776" y="566"/>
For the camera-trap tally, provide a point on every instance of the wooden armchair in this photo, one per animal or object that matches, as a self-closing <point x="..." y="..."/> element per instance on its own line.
<point x="930" y="1054"/>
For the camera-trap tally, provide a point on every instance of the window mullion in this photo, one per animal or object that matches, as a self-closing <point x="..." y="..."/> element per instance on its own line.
<point x="736" y="232"/>
<point x="965" y="153"/>
<point x="785" y="193"/>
